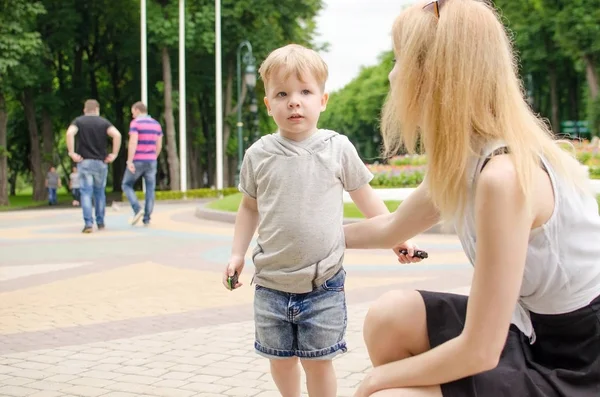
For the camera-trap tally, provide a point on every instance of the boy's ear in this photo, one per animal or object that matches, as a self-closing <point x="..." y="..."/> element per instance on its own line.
<point x="324" y="100"/>
<point x="266" y="100"/>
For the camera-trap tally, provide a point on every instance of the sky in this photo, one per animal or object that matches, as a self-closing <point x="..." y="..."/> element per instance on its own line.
<point x="357" y="31"/>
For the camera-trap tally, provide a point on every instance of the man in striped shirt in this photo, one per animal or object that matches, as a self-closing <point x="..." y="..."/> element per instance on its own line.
<point x="145" y="144"/>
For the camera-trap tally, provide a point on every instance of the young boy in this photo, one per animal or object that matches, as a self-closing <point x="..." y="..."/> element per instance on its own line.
<point x="74" y="185"/>
<point x="52" y="184"/>
<point x="293" y="181"/>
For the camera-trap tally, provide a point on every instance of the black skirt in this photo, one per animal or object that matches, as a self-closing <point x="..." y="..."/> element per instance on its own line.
<point x="564" y="361"/>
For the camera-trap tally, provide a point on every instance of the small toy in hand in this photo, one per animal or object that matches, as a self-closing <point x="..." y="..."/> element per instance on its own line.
<point x="232" y="281"/>
<point x="418" y="254"/>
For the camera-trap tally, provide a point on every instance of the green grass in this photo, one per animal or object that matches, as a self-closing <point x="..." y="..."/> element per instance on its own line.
<point x="231" y="204"/>
<point x="23" y="201"/>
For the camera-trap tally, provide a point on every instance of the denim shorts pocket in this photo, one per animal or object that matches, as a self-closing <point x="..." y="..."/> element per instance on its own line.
<point x="335" y="283"/>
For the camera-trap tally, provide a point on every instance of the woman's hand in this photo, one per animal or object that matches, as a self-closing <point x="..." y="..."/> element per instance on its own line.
<point x="365" y="388"/>
<point x="410" y="247"/>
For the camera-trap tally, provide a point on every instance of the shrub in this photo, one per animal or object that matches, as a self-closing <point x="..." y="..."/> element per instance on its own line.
<point x="190" y="194"/>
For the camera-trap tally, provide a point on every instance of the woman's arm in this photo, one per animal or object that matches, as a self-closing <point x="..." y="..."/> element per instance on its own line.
<point x="503" y="225"/>
<point x="415" y="215"/>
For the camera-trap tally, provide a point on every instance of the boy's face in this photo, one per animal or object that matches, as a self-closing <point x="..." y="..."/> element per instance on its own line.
<point x="52" y="169"/>
<point x="295" y="104"/>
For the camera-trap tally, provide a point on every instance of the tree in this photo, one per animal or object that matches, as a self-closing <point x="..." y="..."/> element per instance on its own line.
<point x="18" y="40"/>
<point x="355" y="109"/>
<point x="578" y="30"/>
<point x="163" y="25"/>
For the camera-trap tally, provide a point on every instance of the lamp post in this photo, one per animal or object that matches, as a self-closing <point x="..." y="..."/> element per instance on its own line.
<point x="218" y="98"/>
<point x="254" y="111"/>
<point x="250" y="79"/>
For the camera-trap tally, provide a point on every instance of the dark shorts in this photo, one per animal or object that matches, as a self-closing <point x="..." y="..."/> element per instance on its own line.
<point x="308" y="326"/>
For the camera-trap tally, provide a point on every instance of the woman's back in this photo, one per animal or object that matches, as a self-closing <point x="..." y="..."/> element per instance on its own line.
<point x="562" y="268"/>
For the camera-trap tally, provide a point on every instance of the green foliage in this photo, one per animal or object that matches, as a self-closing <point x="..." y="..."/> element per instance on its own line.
<point x="409" y="179"/>
<point x="578" y="27"/>
<point x="355" y="109"/>
<point x="190" y="194"/>
<point x="229" y="203"/>
<point x="232" y="203"/>
<point x="22" y="201"/>
<point x="17" y="38"/>
<point x="69" y="51"/>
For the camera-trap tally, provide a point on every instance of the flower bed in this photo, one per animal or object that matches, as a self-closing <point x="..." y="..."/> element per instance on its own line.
<point x="409" y="170"/>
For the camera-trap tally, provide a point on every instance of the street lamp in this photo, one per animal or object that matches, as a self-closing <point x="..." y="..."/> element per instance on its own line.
<point x="254" y="111"/>
<point x="250" y="79"/>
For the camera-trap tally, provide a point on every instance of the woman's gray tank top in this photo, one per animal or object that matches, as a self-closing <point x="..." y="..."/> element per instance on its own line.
<point x="562" y="269"/>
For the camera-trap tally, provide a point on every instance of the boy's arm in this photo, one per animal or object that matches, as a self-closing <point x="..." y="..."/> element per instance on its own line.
<point x="246" y="223"/>
<point x="369" y="204"/>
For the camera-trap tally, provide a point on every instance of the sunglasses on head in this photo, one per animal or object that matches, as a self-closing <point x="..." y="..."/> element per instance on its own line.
<point x="435" y="7"/>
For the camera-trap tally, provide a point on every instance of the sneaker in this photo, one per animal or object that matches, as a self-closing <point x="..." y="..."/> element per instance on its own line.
<point x="87" y="229"/>
<point x="147" y="224"/>
<point x="101" y="226"/>
<point x="136" y="218"/>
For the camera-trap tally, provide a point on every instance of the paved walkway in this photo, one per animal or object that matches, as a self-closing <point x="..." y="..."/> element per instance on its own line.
<point x="133" y="311"/>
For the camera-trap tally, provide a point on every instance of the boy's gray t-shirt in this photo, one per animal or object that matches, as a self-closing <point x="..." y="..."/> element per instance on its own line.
<point x="298" y="187"/>
<point x="52" y="178"/>
<point x="74" y="180"/>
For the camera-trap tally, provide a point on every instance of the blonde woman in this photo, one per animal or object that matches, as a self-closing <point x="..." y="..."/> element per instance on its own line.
<point x="521" y="208"/>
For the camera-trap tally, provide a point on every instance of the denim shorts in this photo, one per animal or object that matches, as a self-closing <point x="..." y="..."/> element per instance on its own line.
<point x="309" y="326"/>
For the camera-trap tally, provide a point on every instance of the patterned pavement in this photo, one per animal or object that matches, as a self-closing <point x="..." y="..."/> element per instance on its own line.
<point x="134" y="311"/>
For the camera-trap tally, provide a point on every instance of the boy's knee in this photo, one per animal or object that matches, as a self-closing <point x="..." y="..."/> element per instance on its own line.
<point x="316" y="365"/>
<point x="284" y="363"/>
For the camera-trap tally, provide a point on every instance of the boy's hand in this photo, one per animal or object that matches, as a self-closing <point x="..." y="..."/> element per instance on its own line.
<point x="409" y="246"/>
<point x="235" y="265"/>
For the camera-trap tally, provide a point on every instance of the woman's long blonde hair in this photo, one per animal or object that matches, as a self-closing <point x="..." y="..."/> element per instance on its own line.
<point x="456" y="87"/>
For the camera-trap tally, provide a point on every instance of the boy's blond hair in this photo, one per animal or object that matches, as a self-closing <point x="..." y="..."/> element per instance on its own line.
<point x="294" y="58"/>
<point x="457" y="86"/>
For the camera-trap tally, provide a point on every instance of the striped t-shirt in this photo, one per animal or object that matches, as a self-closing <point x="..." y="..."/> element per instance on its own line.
<point x="148" y="131"/>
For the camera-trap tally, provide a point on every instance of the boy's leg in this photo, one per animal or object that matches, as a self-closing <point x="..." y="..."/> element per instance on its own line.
<point x="320" y="378"/>
<point x="51" y="196"/>
<point x="321" y="327"/>
<point x="286" y="375"/>
<point x="276" y="339"/>
<point x="76" y="196"/>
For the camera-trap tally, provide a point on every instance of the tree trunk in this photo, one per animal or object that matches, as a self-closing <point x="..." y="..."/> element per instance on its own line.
<point x="13" y="183"/>
<point x="3" y="152"/>
<point x="592" y="77"/>
<point x="554" y="101"/>
<point x="39" y="177"/>
<point x="118" y="166"/>
<point x="163" y="170"/>
<point x="209" y="139"/>
<point x="574" y="96"/>
<point x="194" y="164"/>
<point x="170" y="122"/>
<point x="47" y="140"/>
